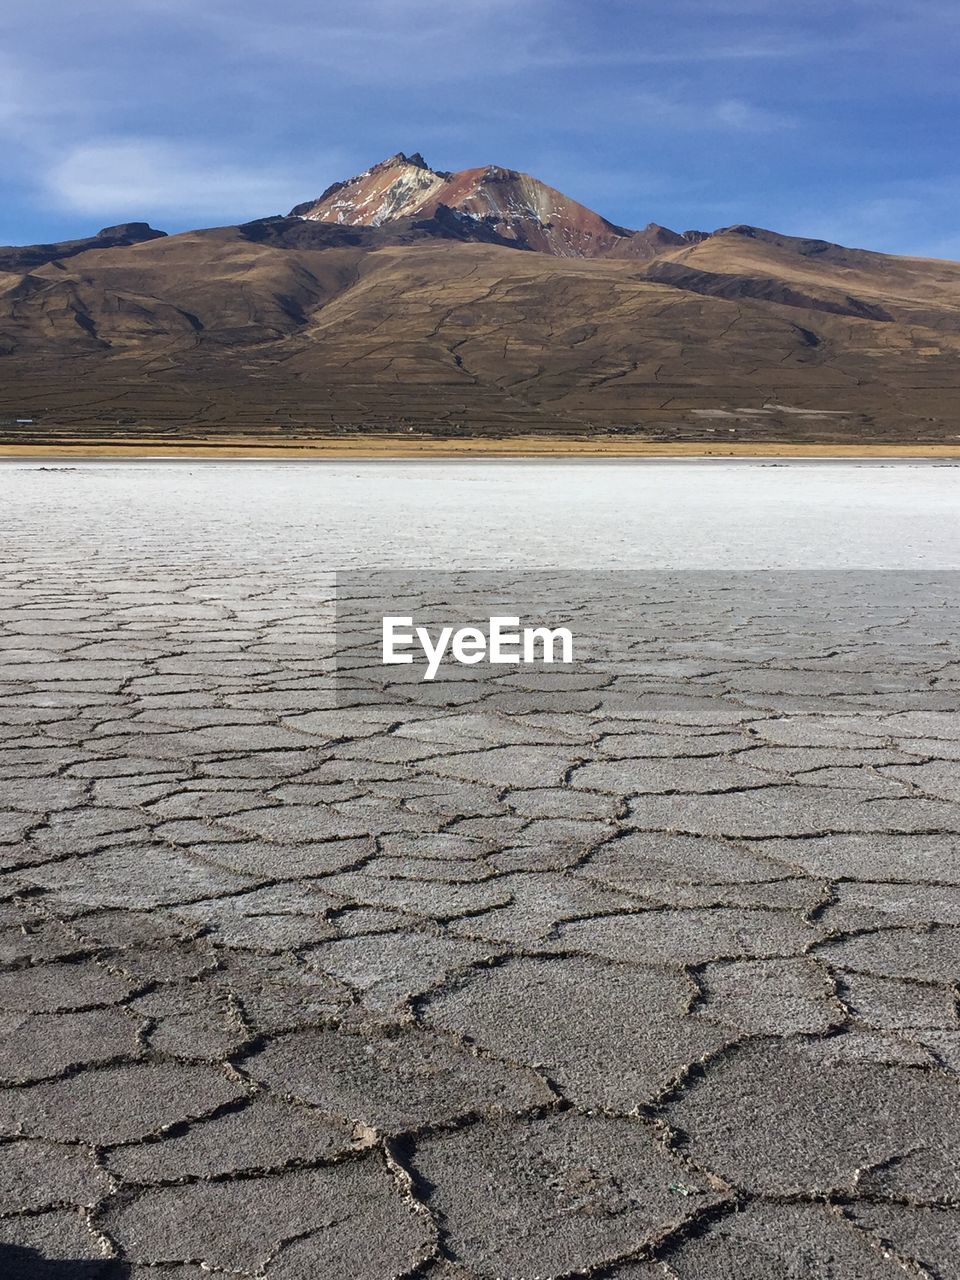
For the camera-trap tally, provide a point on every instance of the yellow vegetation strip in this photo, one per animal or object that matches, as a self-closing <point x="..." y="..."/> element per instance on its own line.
<point x="389" y="447"/>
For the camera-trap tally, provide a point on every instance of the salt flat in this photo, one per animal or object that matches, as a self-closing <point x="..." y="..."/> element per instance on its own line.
<point x="651" y="972"/>
<point x="649" y="514"/>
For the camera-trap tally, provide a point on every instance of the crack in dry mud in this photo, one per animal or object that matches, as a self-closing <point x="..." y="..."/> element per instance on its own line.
<point x="389" y="988"/>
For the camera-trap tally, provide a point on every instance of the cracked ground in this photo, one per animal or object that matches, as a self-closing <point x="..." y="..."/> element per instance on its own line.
<point x="649" y="971"/>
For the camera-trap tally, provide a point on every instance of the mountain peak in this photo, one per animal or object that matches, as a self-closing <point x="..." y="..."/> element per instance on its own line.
<point x="401" y="158"/>
<point x="516" y="208"/>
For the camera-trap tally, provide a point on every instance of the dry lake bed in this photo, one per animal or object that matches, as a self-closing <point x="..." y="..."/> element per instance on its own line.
<point x="649" y="969"/>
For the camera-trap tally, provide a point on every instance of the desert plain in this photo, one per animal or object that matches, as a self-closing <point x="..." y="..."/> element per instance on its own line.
<point x="648" y="971"/>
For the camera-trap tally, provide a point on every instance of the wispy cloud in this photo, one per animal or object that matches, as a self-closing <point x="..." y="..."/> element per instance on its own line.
<point x="153" y="176"/>
<point x="423" y="42"/>
<point x="734" y="114"/>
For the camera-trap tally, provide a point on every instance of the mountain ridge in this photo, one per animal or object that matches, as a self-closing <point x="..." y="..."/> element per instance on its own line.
<point x="17" y="257"/>
<point x="426" y="207"/>
<point x="478" y="316"/>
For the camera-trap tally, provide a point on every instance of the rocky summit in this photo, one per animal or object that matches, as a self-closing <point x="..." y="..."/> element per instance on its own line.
<point x="525" y="211"/>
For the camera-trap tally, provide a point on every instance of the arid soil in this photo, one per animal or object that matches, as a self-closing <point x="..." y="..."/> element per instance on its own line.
<point x="646" y="971"/>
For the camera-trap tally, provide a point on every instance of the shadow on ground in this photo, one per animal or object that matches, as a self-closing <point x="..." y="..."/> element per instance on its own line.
<point x="17" y="1263"/>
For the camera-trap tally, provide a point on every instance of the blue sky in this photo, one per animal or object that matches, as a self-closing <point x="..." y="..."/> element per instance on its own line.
<point x="832" y="118"/>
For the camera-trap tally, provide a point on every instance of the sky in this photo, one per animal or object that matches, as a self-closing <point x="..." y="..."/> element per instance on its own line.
<point x="828" y="118"/>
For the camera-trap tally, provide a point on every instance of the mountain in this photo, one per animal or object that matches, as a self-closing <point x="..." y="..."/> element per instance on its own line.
<point x="22" y="257"/>
<point x="482" y="302"/>
<point x="522" y="210"/>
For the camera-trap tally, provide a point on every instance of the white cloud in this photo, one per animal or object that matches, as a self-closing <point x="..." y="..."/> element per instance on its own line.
<point x="726" y="114"/>
<point x="746" y="117"/>
<point x="152" y="176"/>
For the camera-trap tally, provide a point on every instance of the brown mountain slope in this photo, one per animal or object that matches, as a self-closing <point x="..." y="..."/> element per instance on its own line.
<point x="436" y="322"/>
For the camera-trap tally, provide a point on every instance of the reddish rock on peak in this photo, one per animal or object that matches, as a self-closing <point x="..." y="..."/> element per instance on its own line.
<point x="516" y="206"/>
